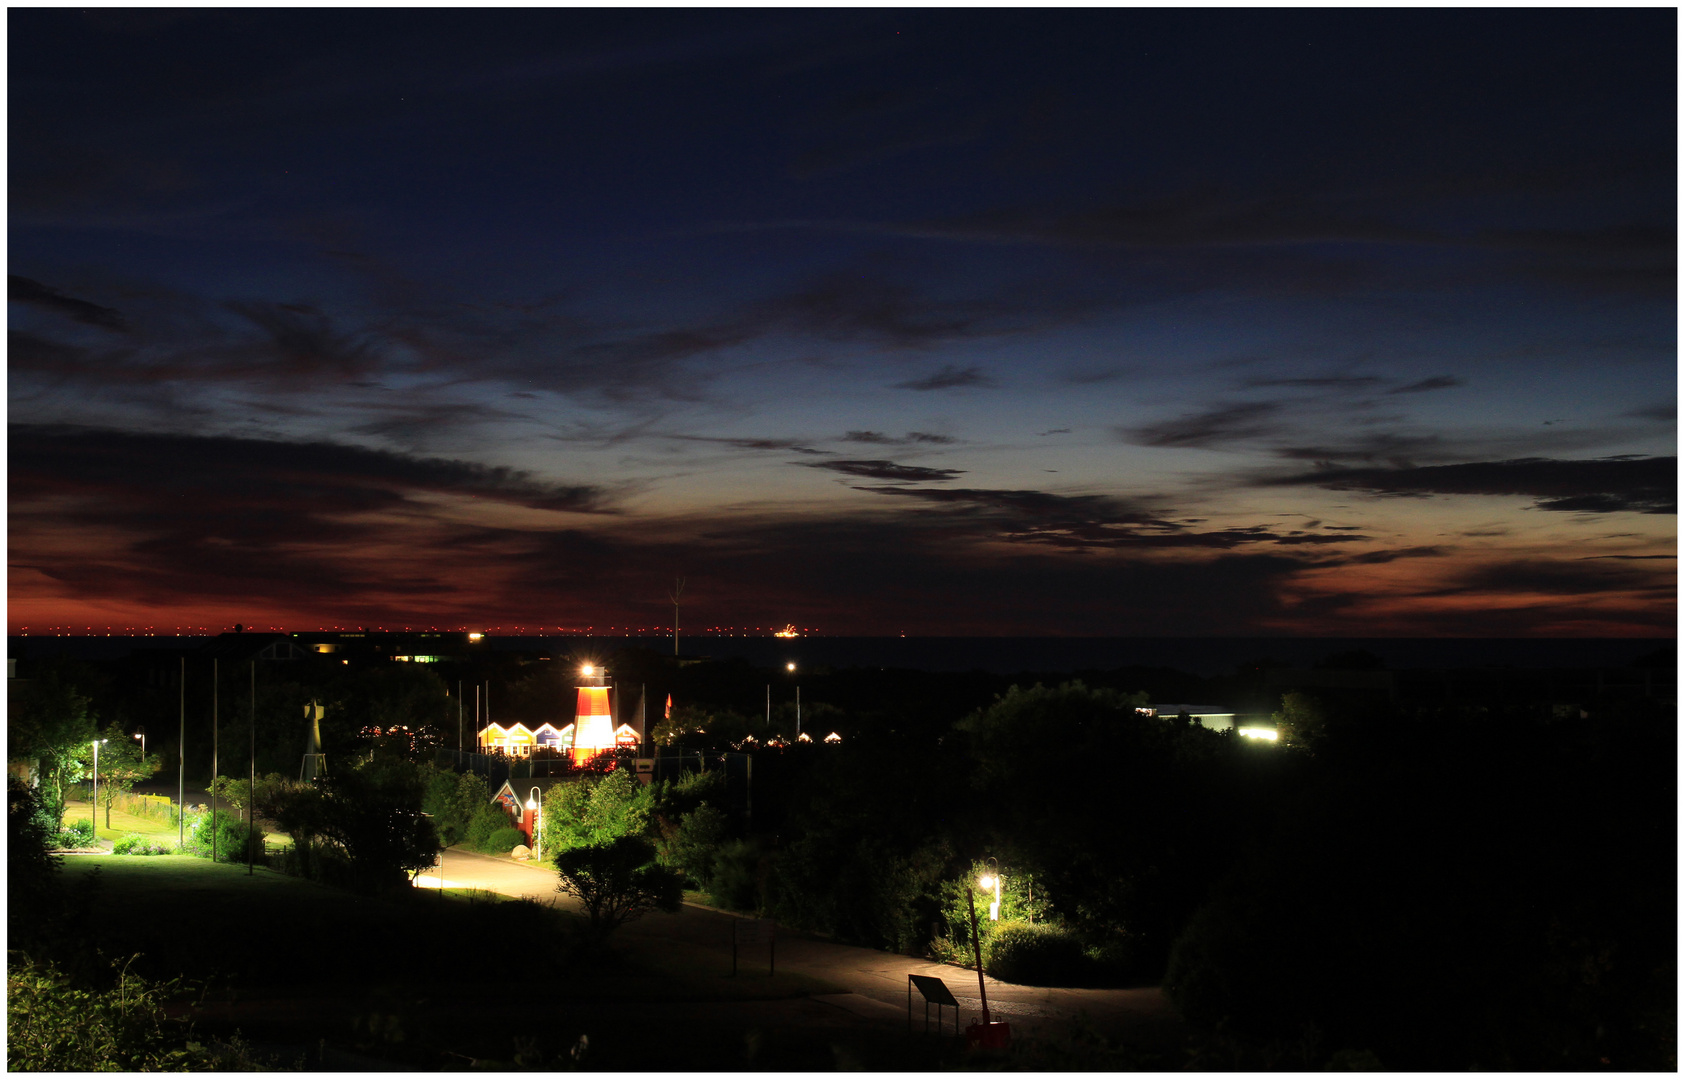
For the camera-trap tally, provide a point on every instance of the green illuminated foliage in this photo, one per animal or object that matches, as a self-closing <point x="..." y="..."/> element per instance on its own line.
<point x="618" y="880"/>
<point x="53" y="1025"/>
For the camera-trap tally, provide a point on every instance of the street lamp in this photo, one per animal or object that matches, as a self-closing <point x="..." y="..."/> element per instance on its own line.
<point x="537" y="816"/>
<point x="93" y="812"/>
<point x="791" y="667"/>
<point x="141" y="735"/>
<point x="992" y="881"/>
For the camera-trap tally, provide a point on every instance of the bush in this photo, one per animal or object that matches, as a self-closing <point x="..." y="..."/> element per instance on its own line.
<point x="54" y="1025"/>
<point x="693" y="846"/>
<point x="136" y="844"/>
<point x="488" y="819"/>
<point x="503" y="841"/>
<point x="1036" y="954"/>
<point x="735" y="882"/>
<point x="231" y="833"/>
<point x="76" y="834"/>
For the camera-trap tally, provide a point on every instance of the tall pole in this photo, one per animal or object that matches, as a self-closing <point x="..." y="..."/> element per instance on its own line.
<point x="977" y="951"/>
<point x="769" y="706"/>
<point x="458" y="725"/>
<point x="251" y="791"/>
<point x="678" y="591"/>
<point x="798" y="711"/>
<point x="213" y="758"/>
<point x="181" y="765"/>
<point x="93" y="810"/>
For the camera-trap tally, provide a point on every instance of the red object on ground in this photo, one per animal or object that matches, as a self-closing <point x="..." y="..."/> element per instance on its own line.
<point x="995" y="1036"/>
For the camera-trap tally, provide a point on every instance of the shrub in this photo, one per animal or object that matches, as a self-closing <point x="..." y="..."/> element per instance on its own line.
<point x="53" y="1025"/>
<point x="487" y="820"/>
<point x="503" y="841"/>
<point x="231" y="833"/>
<point x="1036" y="954"/>
<point x="136" y="844"/>
<point x="735" y="882"/>
<point x="76" y="834"/>
<point x="694" y="844"/>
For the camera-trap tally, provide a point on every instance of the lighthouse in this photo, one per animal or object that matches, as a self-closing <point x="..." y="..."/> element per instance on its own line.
<point x="593" y="724"/>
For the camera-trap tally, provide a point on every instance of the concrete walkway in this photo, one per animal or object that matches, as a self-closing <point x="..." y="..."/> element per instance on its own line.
<point x="876" y="981"/>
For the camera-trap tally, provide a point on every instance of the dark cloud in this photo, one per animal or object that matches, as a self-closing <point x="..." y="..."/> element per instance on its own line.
<point x="1225" y="423"/>
<point x="1630" y="557"/>
<point x="781" y="445"/>
<point x="1319" y="382"/>
<point x="1661" y="414"/>
<point x="1437" y="382"/>
<point x="1645" y="485"/>
<point x="948" y="378"/>
<point x="218" y="473"/>
<point x="884" y="470"/>
<point x="27" y="291"/>
<point x="1373" y="558"/>
<point x="878" y="438"/>
<point x="1086" y="522"/>
<point x="1552" y="577"/>
<point x="305" y="339"/>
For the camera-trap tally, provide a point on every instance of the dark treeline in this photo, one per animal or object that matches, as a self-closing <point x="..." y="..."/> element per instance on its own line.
<point x="1409" y="884"/>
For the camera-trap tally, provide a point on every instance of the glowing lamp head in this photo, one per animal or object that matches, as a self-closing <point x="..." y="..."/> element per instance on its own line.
<point x="790" y="666"/>
<point x="587" y="670"/>
<point x="986" y="882"/>
<point x="532" y="804"/>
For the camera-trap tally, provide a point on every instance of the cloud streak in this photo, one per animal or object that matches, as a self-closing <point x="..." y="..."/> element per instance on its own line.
<point x="1644" y="485"/>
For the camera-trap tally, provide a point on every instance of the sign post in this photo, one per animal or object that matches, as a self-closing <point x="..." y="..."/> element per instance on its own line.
<point x="754" y="932"/>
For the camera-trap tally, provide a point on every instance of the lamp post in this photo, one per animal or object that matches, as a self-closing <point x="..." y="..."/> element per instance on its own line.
<point x="992" y="881"/>
<point x="537" y="817"/>
<point x="93" y="813"/>
<point x="141" y="735"/>
<point x="791" y="668"/>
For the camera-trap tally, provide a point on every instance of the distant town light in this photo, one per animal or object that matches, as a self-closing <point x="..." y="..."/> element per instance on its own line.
<point x="1267" y="734"/>
<point x="475" y="636"/>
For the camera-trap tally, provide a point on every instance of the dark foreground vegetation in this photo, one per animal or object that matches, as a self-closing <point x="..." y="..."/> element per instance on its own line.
<point x="1396" y="884"/>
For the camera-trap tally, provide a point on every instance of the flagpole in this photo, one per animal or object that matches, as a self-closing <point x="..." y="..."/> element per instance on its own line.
<point x="181" y="764"/>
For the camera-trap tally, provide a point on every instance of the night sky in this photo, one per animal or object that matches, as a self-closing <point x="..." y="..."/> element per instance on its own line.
<point x="1128" y="322"/>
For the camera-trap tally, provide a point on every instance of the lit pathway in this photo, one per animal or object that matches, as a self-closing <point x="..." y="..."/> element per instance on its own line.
<point x="877" y="981"/>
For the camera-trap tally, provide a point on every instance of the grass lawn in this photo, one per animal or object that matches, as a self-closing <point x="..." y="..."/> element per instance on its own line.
<point x="123" y="824"/>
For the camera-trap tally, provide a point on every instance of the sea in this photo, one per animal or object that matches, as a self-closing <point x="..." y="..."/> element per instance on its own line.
<point x="1203" y="656"/>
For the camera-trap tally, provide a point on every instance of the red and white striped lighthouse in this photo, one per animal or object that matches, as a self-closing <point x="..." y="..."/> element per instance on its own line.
<point x="593" y="724"/>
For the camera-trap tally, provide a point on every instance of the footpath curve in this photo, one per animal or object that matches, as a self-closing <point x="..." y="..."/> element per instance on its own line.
<point x="876" y="981"/>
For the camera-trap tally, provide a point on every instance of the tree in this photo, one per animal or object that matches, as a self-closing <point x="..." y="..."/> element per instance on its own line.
<point x="1301" y="720"/>
<point x="591" y="811"/>
<point x="618" y="881"/>
<point x="120" y="766"/>
<point x="50" y="726"/>
<point x="369" y="816"/>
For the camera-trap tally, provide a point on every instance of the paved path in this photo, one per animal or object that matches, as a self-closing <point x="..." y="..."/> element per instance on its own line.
<point x="876" y="981"/>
